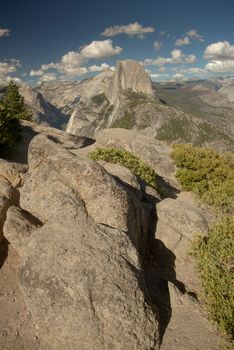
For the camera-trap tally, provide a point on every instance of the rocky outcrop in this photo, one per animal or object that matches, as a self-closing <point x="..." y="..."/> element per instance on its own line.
<point x="104" y="260"/>
<point x="126" y="98"/>
<point x="102" y="96"/>
<point x="131" y="75"/>
<point x="30" y="130"/>
<point x="43" y="111"/>
<point x="92" y="233"/>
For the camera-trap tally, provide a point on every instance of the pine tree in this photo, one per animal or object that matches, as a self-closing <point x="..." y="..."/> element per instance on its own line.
<point x="14" y="103"/>
<point x="12" y="109"/>
<point x="10" y="131"/>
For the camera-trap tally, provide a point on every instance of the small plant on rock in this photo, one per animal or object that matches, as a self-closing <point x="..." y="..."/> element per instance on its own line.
<point x="127" y="159"/>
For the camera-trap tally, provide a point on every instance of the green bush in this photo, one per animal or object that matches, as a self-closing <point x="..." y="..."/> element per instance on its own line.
<point x="130" y="161"/>
<point x="12" y="109"/>
<point x="211" y="176"/>
<point x="214" y="255"/>
<point x="207" y="173"/>
<point x="175" y="129"/>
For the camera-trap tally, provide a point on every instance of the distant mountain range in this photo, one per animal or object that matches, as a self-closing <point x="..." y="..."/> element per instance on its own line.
<point x="200" y="112"/>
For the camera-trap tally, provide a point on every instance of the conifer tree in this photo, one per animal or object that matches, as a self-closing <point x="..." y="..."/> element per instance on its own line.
<point x="12" y="109"/>
<point x="14" y="103"/>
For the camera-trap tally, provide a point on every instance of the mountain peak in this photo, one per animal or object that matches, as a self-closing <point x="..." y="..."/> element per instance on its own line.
<point x="131" y="74"/>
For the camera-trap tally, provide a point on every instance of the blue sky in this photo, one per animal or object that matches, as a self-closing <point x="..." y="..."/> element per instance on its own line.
<point x="47" y="40"/>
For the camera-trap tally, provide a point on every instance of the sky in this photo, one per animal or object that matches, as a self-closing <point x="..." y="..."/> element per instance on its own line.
<point x="72" y="40"/>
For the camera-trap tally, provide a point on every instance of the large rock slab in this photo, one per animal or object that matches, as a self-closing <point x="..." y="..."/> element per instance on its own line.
<point x="82" y="275"/>
<point x="179" y="220"/>
<point x="54" y="171"/>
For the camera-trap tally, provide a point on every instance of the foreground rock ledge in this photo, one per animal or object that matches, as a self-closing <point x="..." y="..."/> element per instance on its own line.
<point x="82" y="276"/>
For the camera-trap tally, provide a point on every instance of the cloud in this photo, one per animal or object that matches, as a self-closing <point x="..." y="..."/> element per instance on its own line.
<point x="132" y="29"/>
<point x="73" y="63"/>
<point x="157" y="45"/>
<point x="221" y="66"/>
<point x="221" y="57"/>
<point x="15" y="79"/>
<point x="4" y="32"/>
<point x="158" y="77"/>
<point x="178" y="76"/>
<point x="36" y="73"/>
<point x="195" y="70"/>
<point x="70" y="64"/>
<point x="154" y="75"/>
<point x="193" y="34"/>
<point x="190" y="59"/>
<point x="221" y="50"/>
<point x="100" y="68"/>
<point x="100" y="49"/>
<point x="7" y="67"/>
<point x="47" y="78"/>
<point x="183" y="41"/>
<point x="177" y="57"/>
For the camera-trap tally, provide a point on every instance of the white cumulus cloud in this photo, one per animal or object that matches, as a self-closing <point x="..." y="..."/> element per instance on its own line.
<point x="15" y="79"/>
<point x="177" y="57"/>
<point x="195" y="70"/>
<point x="36" y="73"/>
<point x="190" y="59"/>
<point x="183" y="41"/>
<point x="102" y="67"/>
<point x="193" y="34"/>
<point x="7" y="67"/>
<point x="100" y="49"/>
<point x="47" y="77"/>
<point x="221" y="50"/>
<point x="220" y="57"/>
<point x="4" y="32"/>
<point x="221" y="66"/>
<point x="132" y="29"/>
<point x="73" y="63"/>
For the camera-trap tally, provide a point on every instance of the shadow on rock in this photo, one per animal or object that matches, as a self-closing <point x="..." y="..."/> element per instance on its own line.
<point x="160" y="269"/>
<point x="166" y="189"/>
<point x="3" y="251"/>
<point x="158" y="261"/>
